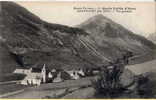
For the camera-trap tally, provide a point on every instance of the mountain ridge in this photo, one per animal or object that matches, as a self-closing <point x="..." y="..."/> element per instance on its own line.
<point x="104" y="29"/>
<point x="33" y="41"/>
<point x="152" y="37"/>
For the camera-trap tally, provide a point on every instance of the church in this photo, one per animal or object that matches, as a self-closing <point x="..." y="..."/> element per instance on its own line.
<point x="34" y="76"/>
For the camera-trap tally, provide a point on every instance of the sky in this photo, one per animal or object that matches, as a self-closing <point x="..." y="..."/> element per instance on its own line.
<point x="141" y="21"/>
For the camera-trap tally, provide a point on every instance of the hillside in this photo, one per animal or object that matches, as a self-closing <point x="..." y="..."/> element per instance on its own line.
<point x="30" y="41"/>
<point x="110" y="35"/>
<point x="7" y="62"/>
<point x="152" y="37"/>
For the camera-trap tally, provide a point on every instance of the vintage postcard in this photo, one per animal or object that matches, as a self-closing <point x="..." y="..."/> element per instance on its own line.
<point x="77" y="50"/>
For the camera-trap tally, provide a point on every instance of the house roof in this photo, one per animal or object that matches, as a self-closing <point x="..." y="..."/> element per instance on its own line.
<point x="37" y="70"/>
<point x="27" y="67"/>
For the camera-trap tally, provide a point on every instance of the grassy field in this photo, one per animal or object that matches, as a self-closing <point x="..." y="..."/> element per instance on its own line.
<point x="68" y="83"/>
<point x="11" y="87"/>
<point x="84" y="93"/>
<point x="52" y="89"/>
<point x="8" y="83"/>
<point x="11" y="77"/>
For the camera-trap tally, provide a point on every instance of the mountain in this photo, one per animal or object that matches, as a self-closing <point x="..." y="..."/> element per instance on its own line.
<point x="152" y="37"/>
<point x="108" y="34"/>
<point x="31" y="41"/>
<point x="5" y="56"/>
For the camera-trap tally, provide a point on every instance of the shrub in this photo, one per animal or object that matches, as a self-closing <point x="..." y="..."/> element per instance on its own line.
<point x="107" y="85"/>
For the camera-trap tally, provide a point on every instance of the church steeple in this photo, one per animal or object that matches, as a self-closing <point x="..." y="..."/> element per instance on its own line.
<point x="44" y="73"/>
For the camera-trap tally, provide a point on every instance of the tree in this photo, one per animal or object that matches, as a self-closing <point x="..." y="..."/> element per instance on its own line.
<point x="109" y="82"/>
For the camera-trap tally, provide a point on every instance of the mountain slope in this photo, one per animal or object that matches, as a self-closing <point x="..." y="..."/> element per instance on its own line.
<point x="34" y="42"/>
<point x="7" y="62"/>
<point x="5" y="56"/>
<point x="31" y="41"/>
<point x="152" y="37"/>
<point x="109" y="34"/>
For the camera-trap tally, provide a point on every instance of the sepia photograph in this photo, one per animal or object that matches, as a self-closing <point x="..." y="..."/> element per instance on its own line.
<point x="77" y="50"/>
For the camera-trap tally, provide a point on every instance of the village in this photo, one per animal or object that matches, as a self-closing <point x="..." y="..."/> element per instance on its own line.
<point x="37" y="76"/>
<point x="42" y="74"/>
